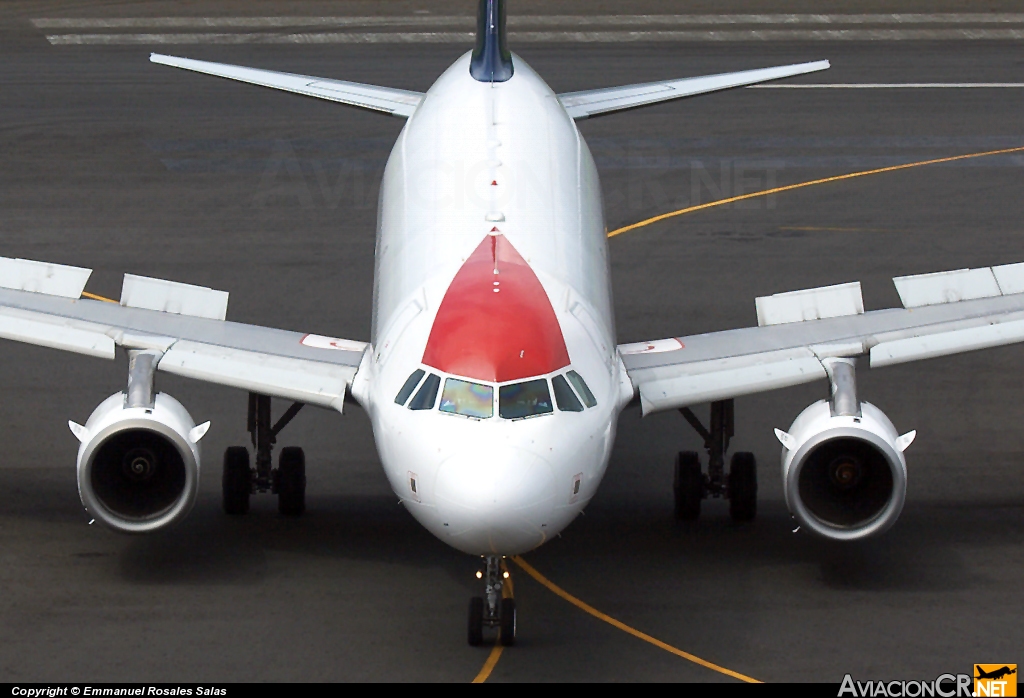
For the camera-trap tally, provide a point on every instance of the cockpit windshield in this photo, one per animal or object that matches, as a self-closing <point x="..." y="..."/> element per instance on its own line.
<point x="468" y="399"/>
<point x="424" y="399"/>
<point x="520" y="400"/>
<point x="410" y="385"/>
<point x="527" y="399"/>
<point x="581" y="387"/>
<point x="564" y="396"/>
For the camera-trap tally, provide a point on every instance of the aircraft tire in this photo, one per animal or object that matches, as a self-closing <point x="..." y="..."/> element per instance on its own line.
<point x="743" y="487"/>
<point x="236" y="483"/>
<point x="508" y="622"/>
<point x="688" y="487"/>
<point x="291" y="482"/>
<point x="476" y="621"/>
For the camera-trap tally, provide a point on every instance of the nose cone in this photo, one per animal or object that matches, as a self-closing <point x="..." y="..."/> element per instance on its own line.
<point x="495" y="500"/>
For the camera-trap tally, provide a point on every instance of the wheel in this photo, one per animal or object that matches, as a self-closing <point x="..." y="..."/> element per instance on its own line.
<point x="237" y="481"/>
<point x="476" y="621"/>
<point x="508" y="622"/>
<point x="291" y="481"/>
<point x="743" y="487"/>
<point x="688" y="487"/>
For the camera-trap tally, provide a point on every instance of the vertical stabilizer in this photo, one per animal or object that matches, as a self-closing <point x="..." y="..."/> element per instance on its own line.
<point x="492" y="61"/>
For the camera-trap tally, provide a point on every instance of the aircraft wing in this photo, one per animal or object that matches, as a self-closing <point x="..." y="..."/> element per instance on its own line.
<point x="41" y="304"/>
<point x="383" y="99"/>
<point x="582" y="105"/>
<point x="944" y="313"/>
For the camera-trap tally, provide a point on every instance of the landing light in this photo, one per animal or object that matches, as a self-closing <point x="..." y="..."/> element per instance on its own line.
<point x="479" y="574"/>
<point x="505" y="574"/>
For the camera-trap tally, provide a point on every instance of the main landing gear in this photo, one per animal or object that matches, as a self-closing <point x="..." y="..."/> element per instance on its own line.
<point x="492" y="610"/>
<point x="288" y="481"/>
<point x="692" y="485"/>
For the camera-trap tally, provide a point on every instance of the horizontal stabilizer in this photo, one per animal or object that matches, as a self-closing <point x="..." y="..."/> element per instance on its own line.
<point x="172" y="297"/>
<point x="581" y="105"/>
<point x="42" y="277"/>
<point x="810" y="304"/>
<point x="383" y="99"/>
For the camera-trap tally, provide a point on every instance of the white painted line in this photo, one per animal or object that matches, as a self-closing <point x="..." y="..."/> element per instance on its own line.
<point x="895" y="18"/>
<point x="548" y="37"/>
<point x="527" y="20"/>
<point x="891" y="86"/>
<point x="266" y="38"/>
<point x="773" y="35"/>
<point x="249" y="22"/>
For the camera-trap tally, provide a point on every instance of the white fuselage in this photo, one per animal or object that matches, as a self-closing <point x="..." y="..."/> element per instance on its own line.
<point x="479" y="159"/>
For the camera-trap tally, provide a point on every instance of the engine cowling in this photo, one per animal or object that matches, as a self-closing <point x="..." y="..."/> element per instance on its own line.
<point x="845" y="476"/>
<point x="138" y="467"/>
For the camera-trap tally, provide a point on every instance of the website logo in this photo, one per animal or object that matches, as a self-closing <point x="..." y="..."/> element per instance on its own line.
<point x="995" y="680"/>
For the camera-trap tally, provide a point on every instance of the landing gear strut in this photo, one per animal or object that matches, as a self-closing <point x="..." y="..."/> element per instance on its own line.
<point x="493" y="610"/>
<point x="692" y="485"/>
<point x="288" y="481"/>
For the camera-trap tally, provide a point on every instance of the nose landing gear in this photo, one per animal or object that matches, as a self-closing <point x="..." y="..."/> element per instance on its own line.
<point x="497" y="608"/>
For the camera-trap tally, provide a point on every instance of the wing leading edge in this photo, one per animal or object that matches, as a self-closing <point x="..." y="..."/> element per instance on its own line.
<point x="382" y="99"/>
<point x="582" y="105"/>
<point x="944" y="313"/>
<point x="185" y="324"/>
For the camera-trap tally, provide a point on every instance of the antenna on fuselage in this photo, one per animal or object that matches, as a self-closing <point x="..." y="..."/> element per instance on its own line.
<point x="492" y="61"/>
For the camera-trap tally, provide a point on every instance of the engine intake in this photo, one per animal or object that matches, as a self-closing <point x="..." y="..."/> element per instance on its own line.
<point x="845" y="476"/>
<point x="138" y="467"/>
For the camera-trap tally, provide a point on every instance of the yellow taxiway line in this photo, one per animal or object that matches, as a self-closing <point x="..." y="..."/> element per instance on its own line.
<point x="507" y="592"/>
<point x="811" y="183"/>
<point x="492" y="661"/>
<point x="93" y="296"/>
<point x="584" y="606"/>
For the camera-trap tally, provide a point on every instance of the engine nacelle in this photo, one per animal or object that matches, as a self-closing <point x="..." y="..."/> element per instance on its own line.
<point x="845" y="476"/>
<point x="138" y="467"/>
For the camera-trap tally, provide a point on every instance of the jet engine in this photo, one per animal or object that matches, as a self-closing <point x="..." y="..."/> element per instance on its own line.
<point x="138" y="466"/>
<point x="843" y="469"/>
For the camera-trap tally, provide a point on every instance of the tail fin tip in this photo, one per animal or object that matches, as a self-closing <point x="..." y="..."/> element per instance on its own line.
<point x="491" y="61"/>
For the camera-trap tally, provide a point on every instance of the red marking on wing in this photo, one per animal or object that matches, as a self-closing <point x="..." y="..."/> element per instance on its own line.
<point x="496" y="322"/>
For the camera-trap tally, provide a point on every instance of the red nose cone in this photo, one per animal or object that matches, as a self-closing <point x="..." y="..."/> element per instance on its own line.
<point x="496" y="322"/>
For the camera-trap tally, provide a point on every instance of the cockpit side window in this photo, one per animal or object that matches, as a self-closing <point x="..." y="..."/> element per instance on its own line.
<point x="581" y="387"/>
<point x="424" y="399"/>
<point x="410" y="385"/>
<point x="565" y="398"/>
<point x="468" y="399"/>
<point x="527" y="399"/>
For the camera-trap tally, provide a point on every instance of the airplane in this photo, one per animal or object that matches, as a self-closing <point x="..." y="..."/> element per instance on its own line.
<point x="995" y="673"/>
<point x="492" y="376"/>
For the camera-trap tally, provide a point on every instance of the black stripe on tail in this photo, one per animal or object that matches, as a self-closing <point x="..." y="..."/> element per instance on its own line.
<point x="492" y="61"/>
